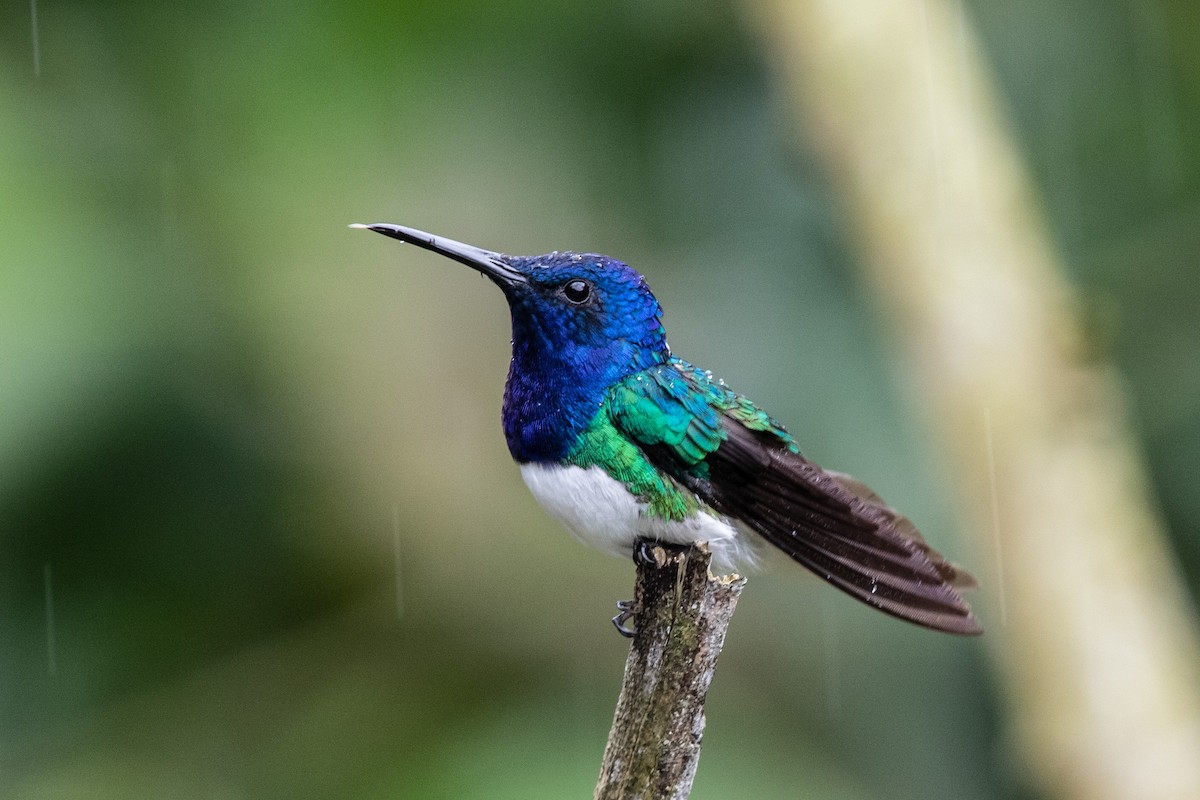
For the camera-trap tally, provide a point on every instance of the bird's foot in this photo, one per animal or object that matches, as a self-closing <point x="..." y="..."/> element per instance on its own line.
<point x="620" y="621"/>
<point x="654" y="554"/>
<point x="645" y="555"/>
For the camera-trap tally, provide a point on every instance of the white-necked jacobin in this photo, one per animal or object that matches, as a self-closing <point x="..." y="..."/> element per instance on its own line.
<point x="623" y="442"/>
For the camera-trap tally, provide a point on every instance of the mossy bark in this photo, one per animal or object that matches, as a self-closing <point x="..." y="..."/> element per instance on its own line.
<point x="682" y="615"/>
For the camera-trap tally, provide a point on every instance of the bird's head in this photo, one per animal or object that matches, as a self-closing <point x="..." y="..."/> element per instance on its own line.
<point x="590" y="313"/>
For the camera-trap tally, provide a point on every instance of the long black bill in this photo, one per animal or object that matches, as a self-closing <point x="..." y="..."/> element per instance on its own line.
<point x="491" y="264"/>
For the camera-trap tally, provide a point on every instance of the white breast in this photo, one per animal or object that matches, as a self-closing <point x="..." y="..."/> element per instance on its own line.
<point x="600" y="512"/>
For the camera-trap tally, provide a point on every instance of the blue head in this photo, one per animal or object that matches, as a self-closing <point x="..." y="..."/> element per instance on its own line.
<point x="580" y="322"/>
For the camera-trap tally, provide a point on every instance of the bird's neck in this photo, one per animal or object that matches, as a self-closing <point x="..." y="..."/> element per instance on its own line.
<point x="555" y="388"/>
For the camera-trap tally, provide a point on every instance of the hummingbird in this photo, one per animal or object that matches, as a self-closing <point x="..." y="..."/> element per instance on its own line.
<point x="625" y="443"/>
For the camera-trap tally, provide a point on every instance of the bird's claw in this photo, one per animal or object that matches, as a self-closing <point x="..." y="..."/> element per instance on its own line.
<point x="620" y="620"/>
<point x="652" y="555"/>
<point x="644" y="555"/>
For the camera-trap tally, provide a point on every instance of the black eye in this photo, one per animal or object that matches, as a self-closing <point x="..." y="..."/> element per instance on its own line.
<point x="577" y="291"/>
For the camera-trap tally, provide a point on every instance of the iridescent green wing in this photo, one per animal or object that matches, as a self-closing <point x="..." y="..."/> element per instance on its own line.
<point x="678" y="414"/>
<point x="742" y="463"/>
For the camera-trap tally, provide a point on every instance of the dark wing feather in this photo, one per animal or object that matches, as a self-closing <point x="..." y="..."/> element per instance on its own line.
<point x="835" y="526"/>
<point x="737" y="459"/>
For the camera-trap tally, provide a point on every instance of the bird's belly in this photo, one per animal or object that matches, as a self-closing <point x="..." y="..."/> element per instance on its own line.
<point x="599" y="511"/>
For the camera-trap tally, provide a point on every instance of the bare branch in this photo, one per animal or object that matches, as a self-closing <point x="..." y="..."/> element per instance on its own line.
<point x="682" y="614"/>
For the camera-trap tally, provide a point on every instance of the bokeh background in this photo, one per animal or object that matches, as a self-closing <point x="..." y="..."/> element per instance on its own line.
<point x="259" y="533"/>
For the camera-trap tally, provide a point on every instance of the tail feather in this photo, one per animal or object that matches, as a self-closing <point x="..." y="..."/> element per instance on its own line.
<point x="837" y="527"/>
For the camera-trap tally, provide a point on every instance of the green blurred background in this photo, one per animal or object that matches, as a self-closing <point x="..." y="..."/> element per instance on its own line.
<point x="259" y="533"/>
